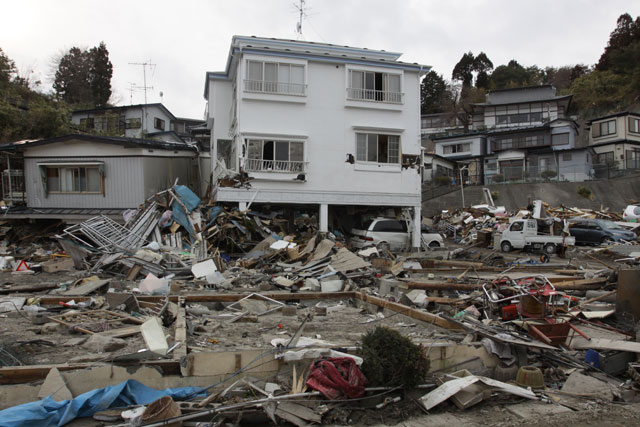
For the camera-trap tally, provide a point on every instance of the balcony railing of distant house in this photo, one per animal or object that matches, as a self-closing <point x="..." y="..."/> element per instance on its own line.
<point x="13" y="190"/>
<point x="519" y="143"/>
<point x="261" y="86"/>
<point x="285" y="166"/>
<point x="355" y="94"/>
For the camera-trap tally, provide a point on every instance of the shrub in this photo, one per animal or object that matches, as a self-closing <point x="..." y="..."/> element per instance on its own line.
<point x="548" y="174"/>
<point x="391" y="359"/>
<point x="495" y="195"/>
<point x="585" y="192"/>
<point x="498" y="178"/>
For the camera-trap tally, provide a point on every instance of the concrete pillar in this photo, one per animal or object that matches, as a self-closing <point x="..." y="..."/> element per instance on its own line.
<point x="242" y="206"/>
<point x="416" y="235"/>
<point x="324" y="218"/>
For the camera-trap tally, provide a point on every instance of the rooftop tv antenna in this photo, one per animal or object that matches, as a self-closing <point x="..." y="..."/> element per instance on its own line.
<point x="302" y="13"/>
<point x="144" y="76"/>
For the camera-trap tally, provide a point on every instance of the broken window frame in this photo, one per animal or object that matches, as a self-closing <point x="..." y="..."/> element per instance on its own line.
<point x="268" y="155"/>
<point x="366" y="141"/>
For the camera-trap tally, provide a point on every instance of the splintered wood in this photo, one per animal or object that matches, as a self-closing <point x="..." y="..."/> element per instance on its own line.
<point x="96" y="321"/>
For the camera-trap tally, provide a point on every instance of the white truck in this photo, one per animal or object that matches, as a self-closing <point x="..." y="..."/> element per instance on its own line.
<point x="523" y="233"/>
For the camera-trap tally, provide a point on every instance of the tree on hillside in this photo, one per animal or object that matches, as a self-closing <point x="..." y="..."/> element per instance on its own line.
<point x="100" y="74"/>
<point x="433" y="93"/>
<point x="469" y="64"/>
<point x="84" y="76"/>
<point x="626" y="33"/>
<point x="482" y="66"/>
<point x="509" y="76"/>
<point x="463" y="70"/>
<point x="25" y="113"/>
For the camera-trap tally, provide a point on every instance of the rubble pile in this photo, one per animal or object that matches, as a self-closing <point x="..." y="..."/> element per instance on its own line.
<point x="202" y="315"/>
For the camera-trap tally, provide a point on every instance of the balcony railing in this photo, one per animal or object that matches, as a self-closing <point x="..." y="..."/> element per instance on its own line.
<point x="374" y="95"/>
<point x="261" y="86"/>
<point x="286" y="166"/>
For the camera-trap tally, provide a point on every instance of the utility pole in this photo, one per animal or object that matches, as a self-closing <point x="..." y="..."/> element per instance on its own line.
<point x="144" y="87"/>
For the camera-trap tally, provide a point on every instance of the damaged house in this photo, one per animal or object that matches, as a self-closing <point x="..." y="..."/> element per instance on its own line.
<point x="315" y="125"/>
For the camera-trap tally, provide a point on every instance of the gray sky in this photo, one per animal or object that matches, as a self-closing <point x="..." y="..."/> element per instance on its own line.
<point x="187" y="38"/>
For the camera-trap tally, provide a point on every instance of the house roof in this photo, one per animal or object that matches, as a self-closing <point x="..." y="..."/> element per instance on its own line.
<point x="324" y="52"/>
<point x="617" y="141"/>
<point x="621" y="113"/>
<point x="126" y="107"/>
<point x="125" y="142"/>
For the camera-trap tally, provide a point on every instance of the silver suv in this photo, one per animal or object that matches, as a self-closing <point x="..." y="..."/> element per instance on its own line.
<point x="391" y="234"/>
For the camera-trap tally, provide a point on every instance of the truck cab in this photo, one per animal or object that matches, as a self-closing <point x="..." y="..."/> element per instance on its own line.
<point x="523" y="233"/>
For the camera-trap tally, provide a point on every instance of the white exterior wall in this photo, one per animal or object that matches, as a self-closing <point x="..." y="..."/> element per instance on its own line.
<point x="578" y="168"/>
<point x="327" y="123"/>
<point x="145" y="113"/>
<point x="476" y="147"/>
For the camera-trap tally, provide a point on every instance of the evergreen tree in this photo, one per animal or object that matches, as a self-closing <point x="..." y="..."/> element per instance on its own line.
<point x="433" y="93"/>
<point x="100" y="74"/>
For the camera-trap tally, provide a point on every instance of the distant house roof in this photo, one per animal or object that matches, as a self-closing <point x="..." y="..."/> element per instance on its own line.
<point x="522" y="94"/>
<point x="610" y="116"/>
<point x="126" y="107"/>
<point x="324" y="52"/>
<point x="125" y="142"/>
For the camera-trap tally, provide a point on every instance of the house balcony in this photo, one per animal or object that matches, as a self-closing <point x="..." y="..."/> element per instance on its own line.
<point x="261" y="86"/>
<point x="276" y="166"/>
<point x="371" y="95"/>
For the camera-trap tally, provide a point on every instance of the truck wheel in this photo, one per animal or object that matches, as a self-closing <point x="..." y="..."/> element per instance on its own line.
<point x="549" y="249"/>
<point x="505" y="246"/>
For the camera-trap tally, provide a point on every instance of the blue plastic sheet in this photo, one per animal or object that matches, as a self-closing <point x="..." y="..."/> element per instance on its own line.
<point x="190" y="201"/>
<point x="48" y="412"/>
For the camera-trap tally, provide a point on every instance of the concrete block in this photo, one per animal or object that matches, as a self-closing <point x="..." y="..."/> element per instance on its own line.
<point x="153" y="335"/>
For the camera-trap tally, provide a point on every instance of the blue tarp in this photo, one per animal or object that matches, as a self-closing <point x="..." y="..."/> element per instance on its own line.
<point x="190" y="201"/>
<point x="48" y="412"/>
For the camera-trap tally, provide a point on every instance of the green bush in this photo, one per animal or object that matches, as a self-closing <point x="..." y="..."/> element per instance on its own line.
<point x="548" y="174"/>
<point x="391" y="359"/>
<point x="585" y="192"/>
<point x="498" y="178"/>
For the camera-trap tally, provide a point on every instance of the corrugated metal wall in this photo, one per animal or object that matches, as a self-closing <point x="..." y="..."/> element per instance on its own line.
<point x="161" y="172"/>
<point x="124" y="184"/>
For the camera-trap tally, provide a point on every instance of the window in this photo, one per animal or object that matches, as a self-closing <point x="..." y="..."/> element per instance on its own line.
<point x="278" y="156"/>
<point x="560" y="139"/>
<point x="428" y="166"/>
<point x="87" y="123"/>
<point x="633" y="159"/>
<point x="516" y="226"/>
<point x="634" y="125"/>
<point x="390" y="226"/>
<point x="566" y="157"/>
<point x="457" y="148"/>
<point x="275" y="77"/>
<point x="158" y="123"/>
<point x="603" y="129"/>
<point x="604" y="158"/>
<point x="373" y="86"/>
<point x="70" y="179"/>
<point x="376" y="148"/>
<point x="518" y="118"/>
<point x="134" y="123"/>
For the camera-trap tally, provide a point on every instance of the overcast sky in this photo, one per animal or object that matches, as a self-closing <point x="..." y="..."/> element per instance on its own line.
<point x="189" y="37"/>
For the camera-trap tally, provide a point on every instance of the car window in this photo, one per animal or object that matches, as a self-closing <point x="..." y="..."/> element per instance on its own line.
<point x="389" y="226"/>
<point x="594" y="227"/>
<point x="636" y="210"/>
<point x="516" y="226"/>
<point x="578" y="225"/>
<point x="610" y="225"/>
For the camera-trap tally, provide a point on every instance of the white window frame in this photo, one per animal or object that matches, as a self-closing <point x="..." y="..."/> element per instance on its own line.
<point x="363" y="91"/>
<point x="275" y="85"/>
<point x="363" y="148"/>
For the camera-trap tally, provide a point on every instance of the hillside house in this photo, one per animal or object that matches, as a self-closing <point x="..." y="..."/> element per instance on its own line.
<point x="615" y="140"/>
<point x="314" y="124"/>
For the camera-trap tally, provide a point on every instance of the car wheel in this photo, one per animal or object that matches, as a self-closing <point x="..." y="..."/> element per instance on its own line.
<point x="550" y="249"/>
<point x="607" y="240"/>
<point x="505" y="246"/>
<point x="434" y="244"/>
<point x="383" y="247"/>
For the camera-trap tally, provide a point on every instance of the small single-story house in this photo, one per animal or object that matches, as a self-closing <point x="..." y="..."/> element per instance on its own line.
<point x="74" y="177"/>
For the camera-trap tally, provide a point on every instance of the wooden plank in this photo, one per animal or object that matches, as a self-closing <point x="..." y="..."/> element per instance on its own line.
<point x="409" y="312"/>
<point x="181" y="335"/>
<point x="278" y="296"/>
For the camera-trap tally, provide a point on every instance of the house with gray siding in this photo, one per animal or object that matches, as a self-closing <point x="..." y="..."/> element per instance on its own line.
<point x="77" y="176"/>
